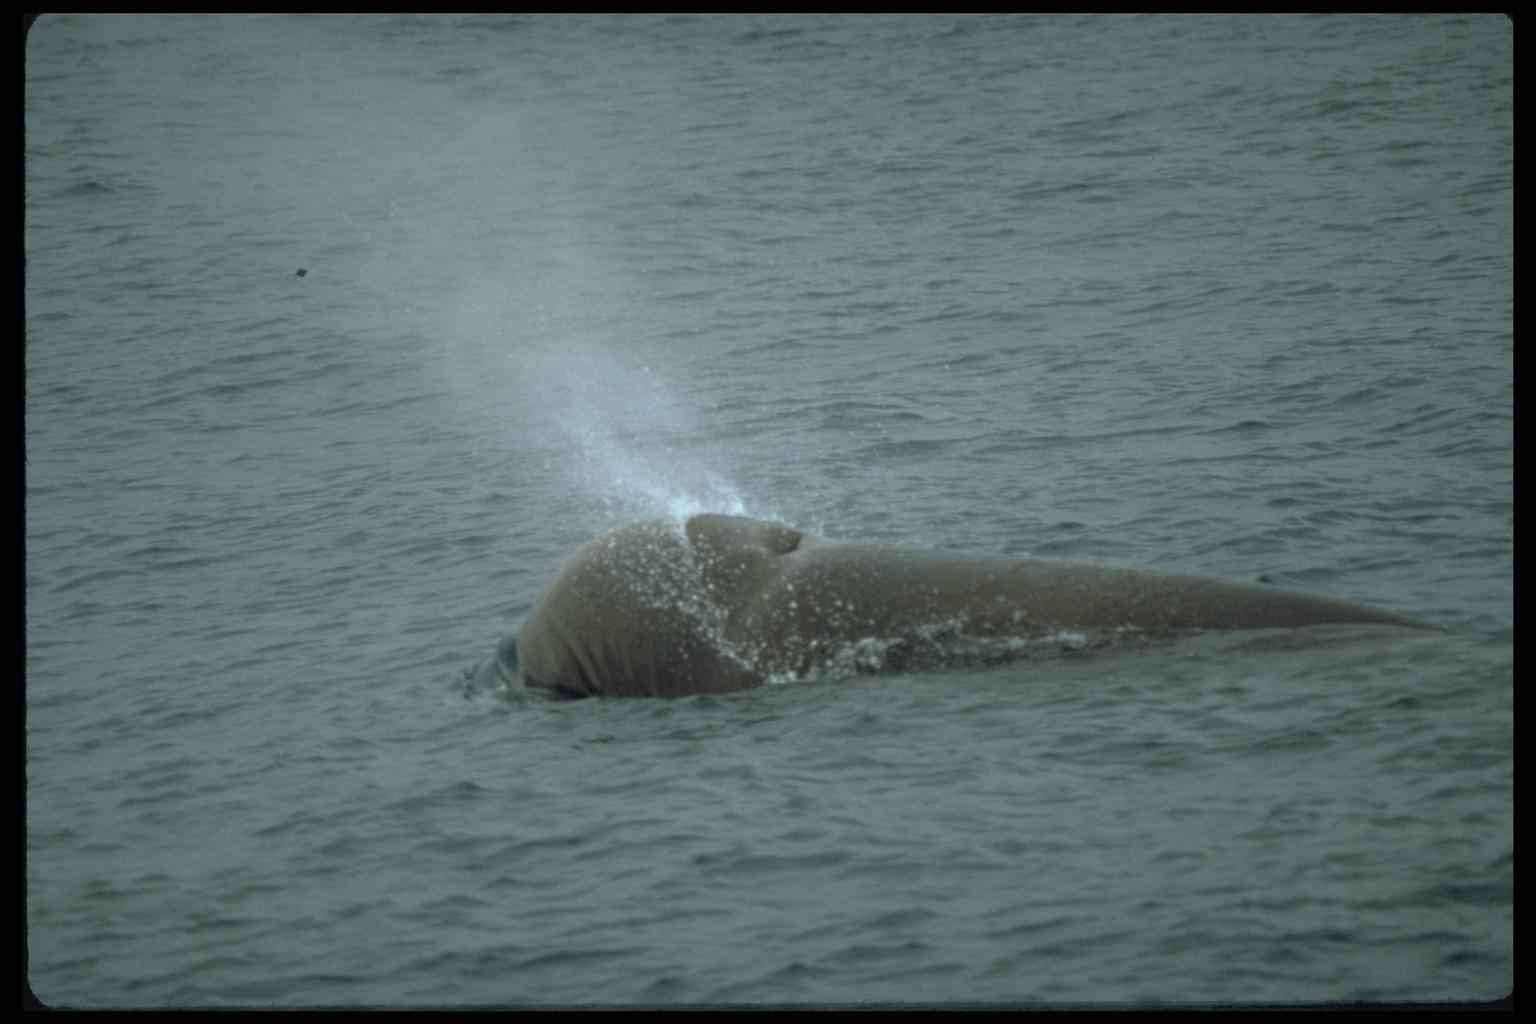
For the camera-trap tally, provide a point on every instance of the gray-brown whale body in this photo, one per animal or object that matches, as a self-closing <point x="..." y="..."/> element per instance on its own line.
<point x="723" y="603"/>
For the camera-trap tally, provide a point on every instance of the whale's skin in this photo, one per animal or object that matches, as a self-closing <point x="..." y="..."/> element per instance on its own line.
<point x="719" y="603"/>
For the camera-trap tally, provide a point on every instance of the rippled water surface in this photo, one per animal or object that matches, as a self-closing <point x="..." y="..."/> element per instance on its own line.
<point x="1225" y="295"/>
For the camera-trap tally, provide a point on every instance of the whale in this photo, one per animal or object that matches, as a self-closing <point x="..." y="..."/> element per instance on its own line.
<point x="720" y="603"/>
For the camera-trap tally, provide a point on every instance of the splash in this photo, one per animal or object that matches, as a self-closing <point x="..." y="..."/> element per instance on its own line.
<point x="635" y="445"/>
<point x="947" y="646"/>
<point x="612" y="429"/>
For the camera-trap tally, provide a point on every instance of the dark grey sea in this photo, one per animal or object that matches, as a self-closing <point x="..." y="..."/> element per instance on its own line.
<point x="1224" y="295"/>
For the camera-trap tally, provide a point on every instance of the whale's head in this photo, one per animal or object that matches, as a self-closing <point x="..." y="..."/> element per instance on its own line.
<point x="647" y="608"/>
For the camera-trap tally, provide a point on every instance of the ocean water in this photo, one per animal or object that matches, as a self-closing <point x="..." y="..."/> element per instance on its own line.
<point x="1226" y="295"/>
